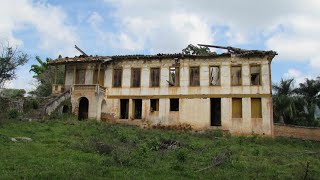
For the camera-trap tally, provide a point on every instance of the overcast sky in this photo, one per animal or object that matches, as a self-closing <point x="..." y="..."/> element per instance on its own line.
<point x="109" y="27"/>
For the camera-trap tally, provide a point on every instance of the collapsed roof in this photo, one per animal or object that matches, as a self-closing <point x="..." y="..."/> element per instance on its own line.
<point x="232" y="51"/>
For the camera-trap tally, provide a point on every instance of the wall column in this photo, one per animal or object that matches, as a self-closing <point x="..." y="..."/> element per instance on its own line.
<point x="98" y="77"/>
<point x="74" y="74"/>
<point x="55" y="75"/>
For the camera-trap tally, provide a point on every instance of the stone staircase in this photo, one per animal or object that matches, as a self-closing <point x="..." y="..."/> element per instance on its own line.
<point x="56" y="102"/>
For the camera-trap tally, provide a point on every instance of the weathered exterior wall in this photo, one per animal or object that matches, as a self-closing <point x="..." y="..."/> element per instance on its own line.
<point x="194" y="102"/>
<point x="95" y="96"/>
<point x="69" y="77"/>
<point x="195" y="112"/>
<point x="311" y="133"/>
<point x="184" y="87"/>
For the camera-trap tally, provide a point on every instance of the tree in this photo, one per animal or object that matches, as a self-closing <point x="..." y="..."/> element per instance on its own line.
<point x="309" y="91"/>
<point x="45" y="76"/>
<point x="284" y="103"/>
<point x="41" y="68"/>
<point x="10" y="59"/>
<point x="195" y="50"/>
<point x="297" y="105"/>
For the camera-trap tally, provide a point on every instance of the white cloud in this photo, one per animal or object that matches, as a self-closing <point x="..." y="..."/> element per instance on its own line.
<point x="54" y="35"/>
<point x="297" y="75"/>
<point x="95" y="19"/>
<point x="156" y="27"/>
<point x="245" y="20"/>
<point x="289" y="27"/>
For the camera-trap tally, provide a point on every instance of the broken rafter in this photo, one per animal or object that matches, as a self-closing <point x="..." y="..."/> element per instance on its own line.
<point x="239" y="51"/>
<point x="229" y="48"/>
<point x="83" y="53"/>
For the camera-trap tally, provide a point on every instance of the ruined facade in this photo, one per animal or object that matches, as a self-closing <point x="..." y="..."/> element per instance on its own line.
<point x="225" y="91"/>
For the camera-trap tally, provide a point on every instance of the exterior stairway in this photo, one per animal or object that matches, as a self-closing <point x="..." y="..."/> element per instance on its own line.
<point x="55" y="103"/>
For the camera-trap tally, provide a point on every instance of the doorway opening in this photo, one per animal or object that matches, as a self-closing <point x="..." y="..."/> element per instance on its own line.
<point x="215" y="109"/>
<point x="65" y="109"/>
<point x="137" y="108"/>
<point x="124" y="108"/>
<point x="83" y="108"/>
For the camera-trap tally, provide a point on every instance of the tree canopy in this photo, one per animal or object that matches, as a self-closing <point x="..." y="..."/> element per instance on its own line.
<point x="195" y="50"/>
<point x="297" y="105"/>
<point x="41" y="68"/>
<point x="10" y="59"/>
<point x="45" y="76"/>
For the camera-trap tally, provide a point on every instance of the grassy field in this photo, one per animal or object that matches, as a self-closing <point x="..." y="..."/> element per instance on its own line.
<point x="67" y="148"/>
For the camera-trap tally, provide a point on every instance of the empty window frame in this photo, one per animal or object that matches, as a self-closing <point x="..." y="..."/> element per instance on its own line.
<point x="256" y="110"/>
<point x="155" y="77"/>
<point x="194" y="76"/>
<point x="174" y="104"/>
<point x="135" y="77"/>
<point x="236" y="79"/>
<point x="255" y="75"/>
<point x="236" y="108"/>
<point x="154" y="105"/>
<point x="174" y="76"/>
<point x="80" y="76"/>
<point x="101" y="77"/>
<point x="214" y="76"/>
<point x="117" y="77"/>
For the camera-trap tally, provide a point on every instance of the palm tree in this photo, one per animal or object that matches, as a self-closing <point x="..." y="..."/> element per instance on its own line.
<point x="45" y="75"/>
<point x="285" y="87"/>
<point x="309" y="91"/>
<point x="39" y="69"/>
<point x="284" y="101"/>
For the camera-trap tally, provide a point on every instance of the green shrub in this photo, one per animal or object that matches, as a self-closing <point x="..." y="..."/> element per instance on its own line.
<point x="13" y="93"/>
<point x="13" y="114"/>
<point x="35" y="104"/>
<point x="30" y="104"/>
<point x="213" y="133"/>
<point x="181" y="155"/>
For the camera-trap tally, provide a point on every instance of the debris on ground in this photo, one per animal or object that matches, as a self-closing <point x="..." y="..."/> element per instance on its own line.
<point x="16" y="139"/>
<point x="218" y="160"/>
<point x="169" y="144"/>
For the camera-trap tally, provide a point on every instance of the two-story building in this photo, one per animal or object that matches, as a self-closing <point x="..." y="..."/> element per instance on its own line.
<point x="230" y="91"/>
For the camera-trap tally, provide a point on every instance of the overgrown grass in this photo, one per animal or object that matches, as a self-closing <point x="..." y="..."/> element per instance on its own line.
<point x="67" y="148"/>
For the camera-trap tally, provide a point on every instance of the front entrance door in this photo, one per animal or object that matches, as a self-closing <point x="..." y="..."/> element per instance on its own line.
<point x="137" y="111"/>
<point x="215" y="110"/>
<point x="83" y="108"/>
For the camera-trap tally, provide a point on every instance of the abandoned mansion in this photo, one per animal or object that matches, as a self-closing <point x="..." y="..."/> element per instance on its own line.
<point x="229" y="91"/>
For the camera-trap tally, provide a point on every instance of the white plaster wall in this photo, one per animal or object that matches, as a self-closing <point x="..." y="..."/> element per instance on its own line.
<point x="164" y="71"/>
<point x="267" y="116"/>
<point x="126" y="74"/>
<point x="246" y="115"/>
<point x="89" y="76"/>
<point x="113" y="107"/>
<point x="195" y="112"/>
<point x="226" y="113"/>
<point x="164" y="105"/>
<point x="69" y="77"/>
<point x="108" y="77"/>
